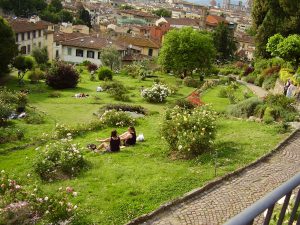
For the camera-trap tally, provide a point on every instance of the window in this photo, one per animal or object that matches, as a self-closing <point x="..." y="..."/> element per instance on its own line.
<point x="23" y="50"/>
<point x="23" y="36"/>
<point x="57" y="54"/>
<point x="28" y="35"/>
<point x="17" y="37"/>
<point x="40" y="44"/>
<point x="69" y="51"/>
<point x="150" y="52"/>
<point x="28" y="49"/>
<point x="57" y="43"/>
<point x="40" y="33"/>
<point x="34" y="34"/>
<point x="79" y="52"/>
<point x="99" y="54"/>
<point x="90" y="54"/>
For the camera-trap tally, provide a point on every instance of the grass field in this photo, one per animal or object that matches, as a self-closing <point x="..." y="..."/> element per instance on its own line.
<point x="120" y="187"/>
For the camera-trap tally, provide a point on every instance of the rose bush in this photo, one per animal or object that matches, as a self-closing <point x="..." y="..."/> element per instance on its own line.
<point x="189" y="132"/>
<point x="116" y="118"/>
<point x="59" y="160"/>
<point x="157" y="93"/>
<point x="21" y="204"/>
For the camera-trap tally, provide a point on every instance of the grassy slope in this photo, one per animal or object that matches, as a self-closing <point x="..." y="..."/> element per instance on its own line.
<point x="122" y="186"/>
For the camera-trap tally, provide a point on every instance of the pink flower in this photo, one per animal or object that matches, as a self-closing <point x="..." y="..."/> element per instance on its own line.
<point x="69" y="189"/>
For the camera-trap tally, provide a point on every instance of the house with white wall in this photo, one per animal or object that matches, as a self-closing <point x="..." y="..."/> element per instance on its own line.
<point x="32" y="33"/>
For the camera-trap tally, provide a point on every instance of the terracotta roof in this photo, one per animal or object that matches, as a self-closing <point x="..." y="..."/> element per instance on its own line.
<point x="183" y="21"/>
<point x="61" y="36"/>
<point x="138" y="41"/>
<point x="23" y="25"/>
<point x="245" y="38"/>
<point x="213" y="20"/>
<point x="92" y="42"/>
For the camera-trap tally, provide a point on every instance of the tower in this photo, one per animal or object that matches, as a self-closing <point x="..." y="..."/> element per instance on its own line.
<point x="226" y="4"/>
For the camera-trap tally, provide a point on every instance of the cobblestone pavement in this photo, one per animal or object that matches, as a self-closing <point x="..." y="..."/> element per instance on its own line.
<point x="220" y="203"/>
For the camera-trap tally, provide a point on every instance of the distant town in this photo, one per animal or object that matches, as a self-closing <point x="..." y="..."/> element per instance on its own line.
<point x="135" y="28"/>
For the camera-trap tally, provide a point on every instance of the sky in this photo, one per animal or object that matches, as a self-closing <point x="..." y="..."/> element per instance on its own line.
<point x="206" y="2"/>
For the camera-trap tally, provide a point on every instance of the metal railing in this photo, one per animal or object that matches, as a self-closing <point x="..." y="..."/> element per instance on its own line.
<point x="248" y="216"/>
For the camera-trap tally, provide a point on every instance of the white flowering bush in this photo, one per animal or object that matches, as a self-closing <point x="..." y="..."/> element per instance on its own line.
<point x="157" y="93"/>
<point x="21" y="204"/>
<point x="116" y="118"/>
<point x="59" y="160"/>
<point x="189" y="132"/>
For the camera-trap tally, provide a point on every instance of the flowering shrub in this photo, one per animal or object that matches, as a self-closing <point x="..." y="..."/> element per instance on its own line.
<point x="116" y="118"/>
<point x="59" y="160"/>
<point x="194" y="99"/>
<point x="189" y="132"/>
<point x="8" y="134"/>
<point x="21" y="205"/>
<point x="157" y="93"/>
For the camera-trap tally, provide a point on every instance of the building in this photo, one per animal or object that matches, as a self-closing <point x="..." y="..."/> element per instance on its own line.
<point x="77" y="48"/>
<point x="213" y="21"/>
<point x="245" y="46"/>
<point x="32" y="33"/>
<point x="144" y="45"/>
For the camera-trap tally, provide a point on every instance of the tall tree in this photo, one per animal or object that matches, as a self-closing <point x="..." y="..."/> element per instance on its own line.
<point x="110" y="57"/>
<point x="85" y="16"/>
<point x="162" y="12"/>
<point x="8" y="47"/>
<point x="286" y="48"/>
<point x="185" y="50"/>
<point x="274" y="16"/>
<point x="40" y="55"/>
<point x="23" y="7"/>
<point x="224" y="42"/>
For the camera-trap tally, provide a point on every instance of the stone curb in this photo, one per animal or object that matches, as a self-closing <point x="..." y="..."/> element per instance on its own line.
<point x="144" y="218"/>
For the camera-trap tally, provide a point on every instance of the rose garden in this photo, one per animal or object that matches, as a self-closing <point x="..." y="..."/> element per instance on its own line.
<point x="196" y="127"/>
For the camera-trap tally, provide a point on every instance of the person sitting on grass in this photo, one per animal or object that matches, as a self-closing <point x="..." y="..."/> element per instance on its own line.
<point x="129" y="137"/>
<point x="114" y="143"/>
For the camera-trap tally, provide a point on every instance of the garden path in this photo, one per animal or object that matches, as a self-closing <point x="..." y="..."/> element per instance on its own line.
<point x="260" y="92"/>
<point x="224" y="200"/>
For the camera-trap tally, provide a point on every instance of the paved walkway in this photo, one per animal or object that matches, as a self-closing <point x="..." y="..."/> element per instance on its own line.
<point x="227" y="199"/>
<point x="260" y="92"/>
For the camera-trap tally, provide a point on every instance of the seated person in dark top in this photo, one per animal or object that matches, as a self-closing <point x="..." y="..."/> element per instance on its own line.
<point x="114" y="143"/>
<point x="129" y="137"/>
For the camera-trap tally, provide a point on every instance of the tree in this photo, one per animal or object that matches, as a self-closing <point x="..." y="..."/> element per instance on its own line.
<point x="126" y="7"/>
<point x="40" y="55"/>
<point x="55" y="6"/>
<point x="23" y="64"/>
<point x="185" y="50"/>
<point x="285" y="48"/>
<point x="271" y="17"/>
<point x="110" y="57"/>
<point x="23" y="7"/>
<point x="8" y="47"/>
<point x="85" y="16"/>
<point x="224" y="42"/>
<point x="162" y="13"/>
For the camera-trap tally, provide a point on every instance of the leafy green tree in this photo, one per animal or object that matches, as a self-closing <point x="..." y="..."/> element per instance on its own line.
<point x="162" y="13"/>
<point x="110" y="57"/>
<point x="65" y="16"/>
<point x="126" y="7"/>
<point x="23" y="7"/>
<point x="224" y="42"/>
<point x="23" y="64"/>
<point x="85" y="16"/>
<point x="271" y="17"/>
<point x="273" y="44"/>
<point x="8" y="47"/>
<point x="286" y="48"/>
<point x="40" y="55"/>
<point x="185" y="50"/>
<point x="55" y="6"/>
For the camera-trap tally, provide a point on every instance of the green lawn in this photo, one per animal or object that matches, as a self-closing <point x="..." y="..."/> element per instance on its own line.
<point x="120" y="187"/>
